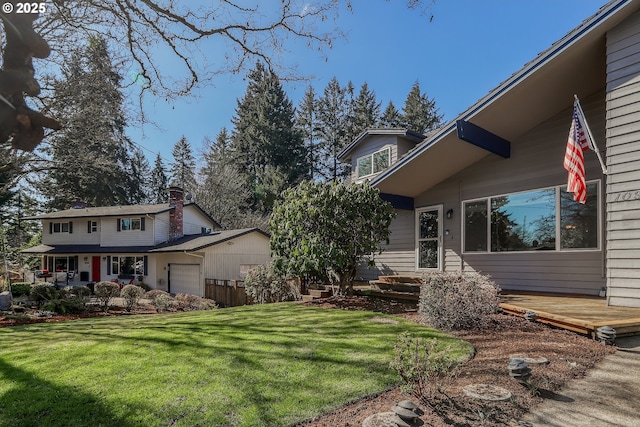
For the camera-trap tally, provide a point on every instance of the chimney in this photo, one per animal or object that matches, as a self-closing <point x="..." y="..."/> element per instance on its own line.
<point x="176" y="201"/>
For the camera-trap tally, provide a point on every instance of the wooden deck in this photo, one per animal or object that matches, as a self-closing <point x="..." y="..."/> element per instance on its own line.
<point x="576" y="313"/>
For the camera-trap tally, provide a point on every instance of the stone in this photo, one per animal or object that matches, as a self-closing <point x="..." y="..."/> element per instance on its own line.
<point x="530" y="360"/>
<point x="390" y="419"/>
<point x="6" y="301"/>
<point x="487" y="392"/>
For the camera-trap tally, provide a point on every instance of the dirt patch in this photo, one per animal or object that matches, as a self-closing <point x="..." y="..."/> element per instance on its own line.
<point x="570" y="356"/>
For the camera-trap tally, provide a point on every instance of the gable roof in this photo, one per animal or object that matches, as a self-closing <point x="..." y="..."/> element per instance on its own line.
<point x="200" y="241"/>
<point x="576" y="64"/>
<point x="403" y="133"/>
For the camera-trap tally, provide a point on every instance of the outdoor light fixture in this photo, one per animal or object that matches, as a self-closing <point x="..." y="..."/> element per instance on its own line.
<point x="450" y="214"/>
<point x="519" y="370"/>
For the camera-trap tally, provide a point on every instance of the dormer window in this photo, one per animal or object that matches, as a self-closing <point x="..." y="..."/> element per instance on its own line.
<point x="374" y="163"/>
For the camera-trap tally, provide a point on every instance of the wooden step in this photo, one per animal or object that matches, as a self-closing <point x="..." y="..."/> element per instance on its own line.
<point x="307" y="298"/>
<point x="319" y="293"/>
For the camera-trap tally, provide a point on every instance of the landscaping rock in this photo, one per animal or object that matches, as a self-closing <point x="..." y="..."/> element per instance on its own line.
<point x="6" y="301"/>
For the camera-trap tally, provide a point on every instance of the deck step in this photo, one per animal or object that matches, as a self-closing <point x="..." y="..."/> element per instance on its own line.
<point x="400" y="279"/>
<point x="307" y="298"/>
<point x="319" y="293"/>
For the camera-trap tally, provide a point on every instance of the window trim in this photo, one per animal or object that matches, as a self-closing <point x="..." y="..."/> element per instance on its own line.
<point x="558" y="248"/>
<point x="370" y="155"/>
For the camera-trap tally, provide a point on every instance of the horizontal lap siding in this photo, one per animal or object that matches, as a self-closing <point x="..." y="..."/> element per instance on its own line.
<point x="536" y="162"/>
<point x="399" y="256"/>
<point x="623" y="160"/>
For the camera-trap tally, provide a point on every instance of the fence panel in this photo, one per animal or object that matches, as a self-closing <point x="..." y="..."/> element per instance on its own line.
<point x="227" y="293"/>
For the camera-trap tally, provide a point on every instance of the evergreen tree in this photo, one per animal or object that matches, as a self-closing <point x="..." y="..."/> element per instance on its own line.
<point x="158" y="183"/>
<point x="366" y="113"/>
<point x="391" y="118"/>
<point x="333" y="118"/>
<point x="140" y="178"/>
<point x="183" y="168"/>
<point x="265" y="141"/>
<point x="307" y="123"/>
<point x="420" y="113"/>
<point x="90" y="156"/>
<point x="222" y="191"/>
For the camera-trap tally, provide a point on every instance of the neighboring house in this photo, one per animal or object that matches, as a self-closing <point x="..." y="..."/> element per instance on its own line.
<point x="487" y="192"/>
<point x="172" y="246"/>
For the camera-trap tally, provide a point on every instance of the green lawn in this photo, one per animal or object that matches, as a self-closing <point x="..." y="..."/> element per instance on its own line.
<point x="268" y="365"/>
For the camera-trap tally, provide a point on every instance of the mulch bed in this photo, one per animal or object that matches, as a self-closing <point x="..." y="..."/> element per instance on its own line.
<point x="570" y="357"/>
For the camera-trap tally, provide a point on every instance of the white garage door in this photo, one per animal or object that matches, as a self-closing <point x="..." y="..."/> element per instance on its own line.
<point x="184" y="278"/>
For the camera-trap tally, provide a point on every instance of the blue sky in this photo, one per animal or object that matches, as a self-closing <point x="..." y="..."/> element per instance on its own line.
<point x="468" y="48"/>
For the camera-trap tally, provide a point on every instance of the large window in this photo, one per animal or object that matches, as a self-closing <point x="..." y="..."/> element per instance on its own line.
<point x="544" y="219"/>
<point x="62" y="263"/>
<point x="374" y="163"/>
<point x="133" y="265"/>
<point x="60" y="227"/>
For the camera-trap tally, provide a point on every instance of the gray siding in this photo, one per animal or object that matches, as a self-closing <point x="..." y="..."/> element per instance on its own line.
<point x="623" y="156"/>
<point x="536" y="162"/>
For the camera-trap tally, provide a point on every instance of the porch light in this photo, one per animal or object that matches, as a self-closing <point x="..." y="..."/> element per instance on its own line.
<point x="530" y="316"/>
<point x="450" y="214"/>
<point x="606" y="335"/>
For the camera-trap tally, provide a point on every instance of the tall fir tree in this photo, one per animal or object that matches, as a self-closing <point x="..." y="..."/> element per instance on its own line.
<point x="91" y="155"/>
<point x="419" y="112"/>
<point x="391" y="118"/>
<point x="266" y="145"/>
<point x="140" y="178"/>
<point x="222" y="191"/>
<point x="183" y="168"/>
<point x="158" y="182"/>
<point x="333" y="117"/>
<point x="307" y="123"/>
<point x="366" y="112"/>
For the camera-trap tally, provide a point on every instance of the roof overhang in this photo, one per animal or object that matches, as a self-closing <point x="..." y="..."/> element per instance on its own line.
<point x="576" y="64"/>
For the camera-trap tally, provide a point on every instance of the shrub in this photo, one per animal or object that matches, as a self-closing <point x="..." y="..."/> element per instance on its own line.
<point x="162" y="301"/>
<point x="263" y="285"/>
<point x="152" y="294"/>
<point x="457" y="300"/>
<point x="131" y="295"/>
<point x="426" y="368"/>
<point x="20" y="288"/>
<point x="63" y="305"/>
<point x="105" y="292"/>
<point x="41" y="292"/>
<point x="144" y="286"/>
<point x="188" y="302"/>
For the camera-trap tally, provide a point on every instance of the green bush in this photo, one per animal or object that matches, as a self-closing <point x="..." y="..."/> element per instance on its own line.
<point x="131" y="295"/>
<point x="41" y="292"/>
<point x="105" y="292"/>
<point x="457" y="300"/>
<point x="263" y="285"/>
<point x="144" y="286"/>
<point x="20" y="288"/>
<point x="152" y="294"/>
<point x="71" y="305"/>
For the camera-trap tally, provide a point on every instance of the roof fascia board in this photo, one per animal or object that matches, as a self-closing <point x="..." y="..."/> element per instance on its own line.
<point x="568" y="40"/>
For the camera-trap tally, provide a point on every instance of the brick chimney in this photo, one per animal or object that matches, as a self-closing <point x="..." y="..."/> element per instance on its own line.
<point x="176" y="201"/>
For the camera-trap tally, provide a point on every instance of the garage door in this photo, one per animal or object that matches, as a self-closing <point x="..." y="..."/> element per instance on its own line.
<point x="184" y="278"/>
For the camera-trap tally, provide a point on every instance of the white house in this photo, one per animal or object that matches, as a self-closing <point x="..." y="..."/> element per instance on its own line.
<point x="172" y="247"/>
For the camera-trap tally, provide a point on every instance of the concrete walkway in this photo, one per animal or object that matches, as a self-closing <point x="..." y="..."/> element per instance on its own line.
<point x="608" y="396"/>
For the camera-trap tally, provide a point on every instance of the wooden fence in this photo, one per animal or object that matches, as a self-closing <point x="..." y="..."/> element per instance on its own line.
<point x="227" y="293"/>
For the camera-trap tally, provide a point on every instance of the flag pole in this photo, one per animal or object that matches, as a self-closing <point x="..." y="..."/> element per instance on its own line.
<point x="593" y="141"/>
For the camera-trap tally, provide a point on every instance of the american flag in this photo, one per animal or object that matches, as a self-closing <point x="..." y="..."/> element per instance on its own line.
<point x="578" y="142"/>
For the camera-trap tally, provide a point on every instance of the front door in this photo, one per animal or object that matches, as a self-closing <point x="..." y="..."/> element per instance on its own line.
<point x="95" y="268"/>
<point x="429" y="238"/>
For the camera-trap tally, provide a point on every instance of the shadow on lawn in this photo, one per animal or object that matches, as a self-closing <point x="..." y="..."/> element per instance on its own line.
<point x="34" y="402"/>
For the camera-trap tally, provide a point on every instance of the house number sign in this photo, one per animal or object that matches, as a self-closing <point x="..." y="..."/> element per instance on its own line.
<point x="626" y="196"/>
